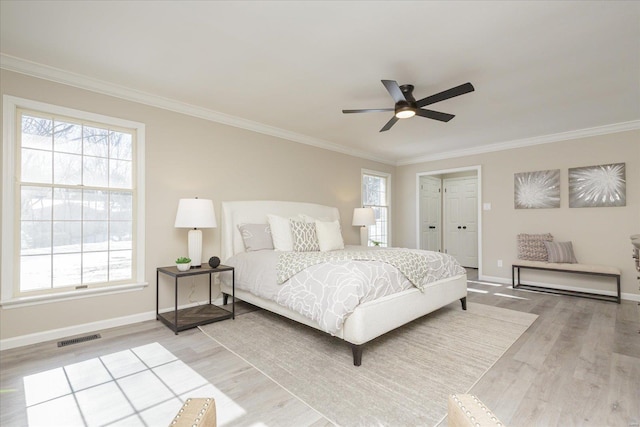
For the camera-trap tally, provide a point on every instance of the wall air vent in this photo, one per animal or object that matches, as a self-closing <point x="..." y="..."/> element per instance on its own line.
<point x="65" y="343"/>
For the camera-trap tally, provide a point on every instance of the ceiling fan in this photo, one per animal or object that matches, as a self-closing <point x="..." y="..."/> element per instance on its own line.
<point x="406" y="105"/>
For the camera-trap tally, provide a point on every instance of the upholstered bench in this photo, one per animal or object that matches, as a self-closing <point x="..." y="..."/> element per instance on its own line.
<point x="594" y="270"/>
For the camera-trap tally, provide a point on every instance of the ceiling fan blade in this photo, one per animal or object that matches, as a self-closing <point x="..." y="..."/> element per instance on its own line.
<point x="390" y="123"/>
<point x="369" y="110"/>
<point x="449" y="93"/>
<point x="394" y="90"/>
<point x="436" y="115"/>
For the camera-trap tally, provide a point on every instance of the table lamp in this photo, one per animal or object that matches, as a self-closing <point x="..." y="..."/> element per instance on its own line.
<point x="195" y="213"/>
<point x="361" y="218"/>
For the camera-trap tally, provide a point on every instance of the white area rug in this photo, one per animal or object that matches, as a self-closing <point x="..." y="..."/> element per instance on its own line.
<point x="406" y="375"/>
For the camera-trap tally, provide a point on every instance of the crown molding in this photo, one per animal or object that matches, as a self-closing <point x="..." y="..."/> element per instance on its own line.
<point x="22" y="66"/>
<point x="526" y="142"/>
<point x="57" y="75"/>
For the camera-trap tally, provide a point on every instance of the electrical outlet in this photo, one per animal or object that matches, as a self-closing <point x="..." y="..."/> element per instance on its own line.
<point x="499" y="263"/>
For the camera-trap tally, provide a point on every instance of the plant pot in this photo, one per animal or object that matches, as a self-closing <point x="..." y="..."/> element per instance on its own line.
<point x="184" y="266"/>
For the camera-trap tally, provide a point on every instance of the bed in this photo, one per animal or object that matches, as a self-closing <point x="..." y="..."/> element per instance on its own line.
<point x="368" y="320"/>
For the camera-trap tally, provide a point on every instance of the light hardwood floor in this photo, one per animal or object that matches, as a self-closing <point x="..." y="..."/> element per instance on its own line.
<point x="578" y="364"/>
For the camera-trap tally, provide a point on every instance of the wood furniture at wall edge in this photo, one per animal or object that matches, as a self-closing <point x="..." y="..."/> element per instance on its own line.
<point x="190" y="317"/>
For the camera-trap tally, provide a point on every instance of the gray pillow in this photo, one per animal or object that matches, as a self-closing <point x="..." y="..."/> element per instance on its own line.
<point x="256" y="237"/>
<point x="305" y="238"/>
<point x="561" y="252"/>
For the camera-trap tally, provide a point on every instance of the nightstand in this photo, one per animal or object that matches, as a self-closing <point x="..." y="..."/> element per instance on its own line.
<point x="190" y="317"/>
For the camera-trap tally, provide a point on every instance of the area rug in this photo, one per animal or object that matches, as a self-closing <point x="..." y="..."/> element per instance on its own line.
<point x="405" y="376"/>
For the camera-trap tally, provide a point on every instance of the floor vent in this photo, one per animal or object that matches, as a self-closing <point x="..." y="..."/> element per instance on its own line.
<point x="65" y="343"/>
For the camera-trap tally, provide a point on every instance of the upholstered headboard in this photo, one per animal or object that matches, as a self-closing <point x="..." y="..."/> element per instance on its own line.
<point x="256" y="211"/>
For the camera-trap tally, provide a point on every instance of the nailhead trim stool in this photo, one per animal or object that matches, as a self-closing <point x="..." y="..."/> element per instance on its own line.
<point x="196" y="412"/>
<point x="466" y="410"/>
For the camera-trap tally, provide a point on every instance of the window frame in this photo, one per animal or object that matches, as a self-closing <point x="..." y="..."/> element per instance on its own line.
<point x="11" y="209"/>
<point x="387" y="177"/>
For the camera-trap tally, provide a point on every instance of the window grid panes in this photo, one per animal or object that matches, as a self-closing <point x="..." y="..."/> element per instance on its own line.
<point x="76" y="198"/>
<point x="375" y="195"/>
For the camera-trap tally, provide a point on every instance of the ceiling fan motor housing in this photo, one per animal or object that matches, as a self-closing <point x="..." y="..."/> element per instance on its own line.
<point x="407" y="91"/>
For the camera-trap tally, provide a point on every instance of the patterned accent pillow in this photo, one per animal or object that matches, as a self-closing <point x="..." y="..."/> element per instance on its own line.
<point x="561" y="252"/>
<point x="531" y="246"/>
<point x="256" y="237"/>
<point x="305" y="238"/>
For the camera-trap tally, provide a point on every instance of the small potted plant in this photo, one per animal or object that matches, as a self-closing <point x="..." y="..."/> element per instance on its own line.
<point x="183" y="263"/>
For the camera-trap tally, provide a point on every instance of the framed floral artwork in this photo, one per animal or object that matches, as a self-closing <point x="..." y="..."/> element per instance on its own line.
<point x="598" y="186"/>
<point x="537" y="190"/>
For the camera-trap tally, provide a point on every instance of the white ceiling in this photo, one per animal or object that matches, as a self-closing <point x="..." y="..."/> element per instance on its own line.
<point x="540" y="69"/>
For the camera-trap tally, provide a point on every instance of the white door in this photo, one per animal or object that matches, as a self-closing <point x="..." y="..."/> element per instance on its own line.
<point x="461" y="219"/>
<point x="430" y="208"/>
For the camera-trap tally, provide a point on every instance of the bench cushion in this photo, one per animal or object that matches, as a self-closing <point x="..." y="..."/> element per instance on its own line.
<point x="585" y="268"/>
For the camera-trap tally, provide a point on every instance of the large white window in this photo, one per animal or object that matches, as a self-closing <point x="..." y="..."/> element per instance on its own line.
<point x="74" y="180"/>
<point x="376" y="194"/>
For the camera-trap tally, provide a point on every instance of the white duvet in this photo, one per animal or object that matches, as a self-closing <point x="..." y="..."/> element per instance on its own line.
<point x="327" y="293"/>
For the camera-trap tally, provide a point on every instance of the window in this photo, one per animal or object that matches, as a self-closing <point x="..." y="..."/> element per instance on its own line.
<point x="376" y="195"/>
<point x="75" y="180"/>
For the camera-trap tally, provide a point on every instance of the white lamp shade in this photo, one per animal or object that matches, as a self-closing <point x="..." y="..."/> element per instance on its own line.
<point x="195" y="213"/>
<point x="363" y="216"/>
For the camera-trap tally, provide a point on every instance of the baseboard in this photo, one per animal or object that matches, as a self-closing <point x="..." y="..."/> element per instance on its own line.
<point x="56" y="334"/>
<point x="507" y="281"/>
<point x="494" y="279"/>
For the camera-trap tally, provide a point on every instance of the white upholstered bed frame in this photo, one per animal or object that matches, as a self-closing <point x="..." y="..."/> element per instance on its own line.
<point x="368" y="320"/>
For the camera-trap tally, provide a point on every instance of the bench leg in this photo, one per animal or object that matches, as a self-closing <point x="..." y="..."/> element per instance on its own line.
<point x="463" y="301"/>
<point x="515" y="284"/>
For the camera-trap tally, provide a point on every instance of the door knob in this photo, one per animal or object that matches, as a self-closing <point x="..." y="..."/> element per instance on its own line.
<point x="432" y="226"/>
<point x="459" y="227"/>
<point x="465" y="227"/>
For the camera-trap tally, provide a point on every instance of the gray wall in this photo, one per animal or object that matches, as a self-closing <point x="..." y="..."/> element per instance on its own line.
<point x="599" y="235"/>
<point x="188" y="157"/>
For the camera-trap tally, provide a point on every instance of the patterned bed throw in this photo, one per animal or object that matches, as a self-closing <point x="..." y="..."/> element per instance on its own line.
<point x="419" y="267"/>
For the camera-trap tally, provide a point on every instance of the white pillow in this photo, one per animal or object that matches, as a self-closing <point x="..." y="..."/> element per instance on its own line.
<point x="281" y="233"/>
<point x="329" y="235"/>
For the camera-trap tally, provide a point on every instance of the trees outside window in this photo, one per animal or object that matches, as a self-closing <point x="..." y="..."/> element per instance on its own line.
<point x="376" y="195"/>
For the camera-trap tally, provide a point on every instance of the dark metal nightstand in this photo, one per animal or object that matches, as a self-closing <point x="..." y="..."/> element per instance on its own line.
<point x="186" y="318"/>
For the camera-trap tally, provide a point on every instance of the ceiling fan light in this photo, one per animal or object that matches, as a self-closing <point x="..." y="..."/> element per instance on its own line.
<point x="405" y="113"/>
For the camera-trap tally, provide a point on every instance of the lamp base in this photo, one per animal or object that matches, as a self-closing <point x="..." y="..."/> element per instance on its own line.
<point x="195" y="247"/>
<point x="364" y="236"/>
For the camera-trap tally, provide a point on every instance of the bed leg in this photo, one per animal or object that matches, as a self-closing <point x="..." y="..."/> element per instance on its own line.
<point x="357" y="354"/>
<point x="463" y="301"/>
<point x="225" y="299"/>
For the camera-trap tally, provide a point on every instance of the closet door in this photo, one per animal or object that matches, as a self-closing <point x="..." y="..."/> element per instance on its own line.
<point x="461" y="219"/>
<point x="430" y="213"/>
